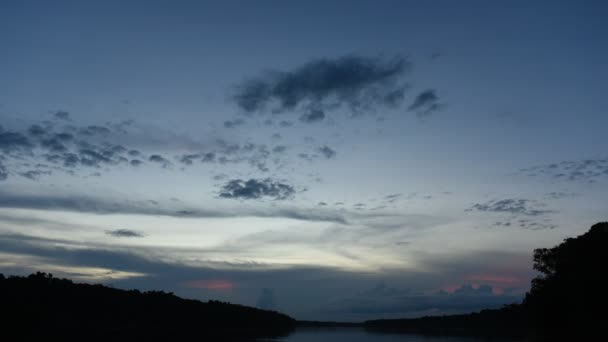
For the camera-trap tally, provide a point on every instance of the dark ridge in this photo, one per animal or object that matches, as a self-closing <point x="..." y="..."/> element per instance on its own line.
<point x="41" y="306"/>
<point x="567" y="301"/>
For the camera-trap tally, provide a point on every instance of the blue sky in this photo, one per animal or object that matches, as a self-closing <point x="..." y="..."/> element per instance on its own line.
<point x="347" y="160"/>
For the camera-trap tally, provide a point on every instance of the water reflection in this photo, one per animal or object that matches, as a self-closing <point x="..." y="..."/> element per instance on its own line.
<point x="361" y="335"/>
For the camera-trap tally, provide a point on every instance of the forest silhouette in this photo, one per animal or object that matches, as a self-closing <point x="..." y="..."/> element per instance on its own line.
<point x="567" y="300"/>
<point x="42" y="306"/>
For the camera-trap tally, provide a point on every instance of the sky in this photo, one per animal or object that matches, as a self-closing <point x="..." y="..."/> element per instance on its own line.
<point x="334" y="160"/>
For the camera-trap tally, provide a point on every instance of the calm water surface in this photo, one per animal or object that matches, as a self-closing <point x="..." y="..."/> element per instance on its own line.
<point x="360" y="335"/>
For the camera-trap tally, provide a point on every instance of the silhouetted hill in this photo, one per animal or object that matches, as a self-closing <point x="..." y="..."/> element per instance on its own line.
<point x="569" y="299"/>
<point x="41" y="306"/>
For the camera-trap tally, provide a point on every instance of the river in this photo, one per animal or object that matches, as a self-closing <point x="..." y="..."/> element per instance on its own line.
<point x="361" y="335"/>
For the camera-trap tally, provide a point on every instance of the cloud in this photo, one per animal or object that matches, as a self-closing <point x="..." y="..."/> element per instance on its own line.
<point x="94" y="130"/>
<point x="36" y="130"/>
<point x="526" y="224"/>
<point x="584" y="170"/>
<point x="127" y="233"/>
<point x="516" y="206"/>
<point x="61" y="115"/>
<point x="307" y="292"/>
<point x="102" y="206"/>
<point x="14" y="142"/>
<point x="279" y="149"/>
<point x="256" y="189"/>
<point x="426" y="103"/>
<point x="389" y="302"/>
<point x="360" y="83"/>
<point x="327" y="152"/>
<point x="155" y="158"/>
<point x="314" y="115"/>
<point x="3" y="172"/>
<point x="234" y="123"/>
<point x="34" y="174"/>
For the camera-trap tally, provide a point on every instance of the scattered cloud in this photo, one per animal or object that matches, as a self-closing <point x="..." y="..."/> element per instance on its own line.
<point x="256" y="189"/>
<point x="515" y="206"/>
<point x="584" y="170"/>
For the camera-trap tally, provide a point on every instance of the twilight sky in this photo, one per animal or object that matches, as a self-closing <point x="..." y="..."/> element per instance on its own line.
<point x="334" y="160"/>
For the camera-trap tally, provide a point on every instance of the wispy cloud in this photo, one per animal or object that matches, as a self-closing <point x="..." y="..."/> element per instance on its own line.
<point x="125" y="233"/>
<point x="426" y="103"/>
<point x="102" y="206"/>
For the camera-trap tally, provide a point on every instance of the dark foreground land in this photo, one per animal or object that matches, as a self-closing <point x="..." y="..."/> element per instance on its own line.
<point x="41" y="306"/>
<point x="568" y="301"/>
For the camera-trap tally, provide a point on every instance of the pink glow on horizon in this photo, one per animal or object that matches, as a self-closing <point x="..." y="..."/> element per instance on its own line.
<point x="211" y="284"/>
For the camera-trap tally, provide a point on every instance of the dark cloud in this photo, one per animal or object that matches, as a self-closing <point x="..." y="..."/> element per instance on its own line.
<point x="285" y="123"/>
<point x="559" y="195"/>
<point x="14" y="142"/>
<point x="134" y="153"/>
<point x="527" y="224"/>
<point x="36" y="130"/>
<point x="585" y="170"/>
<point x="360" y="83"/>
<point x="3" y="171"/>
<point x="136" y="162"/>
<point x="234" y="123"/>
<point x="392" y="198"/>
<point x="426" y="103"/>
<point x="189" y="159"/>
<point x="127" y="233"/>
<point x="313" y="116"/>
<point x="61" y="115"/>
<point x="156" y="158"/>
<point x="208" y="157"/>
<point x="34" y="174"/>
<point x="94" y="130"/>
<point x="327" y="152"/>
<point x="256" y="188"/>
<point x="279" y="149"/>
<point x="53" y="145"/>
<point x="515" y="206"/>
<point x="89" y="157"/>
